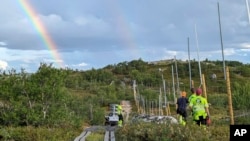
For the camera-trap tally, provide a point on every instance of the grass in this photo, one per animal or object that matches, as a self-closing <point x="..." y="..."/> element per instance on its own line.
<point x="30" y="133"/>
<point x="96" y="136"/>
<point x="174" y="132"/>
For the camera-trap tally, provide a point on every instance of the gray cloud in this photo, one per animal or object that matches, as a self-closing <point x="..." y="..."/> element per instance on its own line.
<point x="98" y="33"/>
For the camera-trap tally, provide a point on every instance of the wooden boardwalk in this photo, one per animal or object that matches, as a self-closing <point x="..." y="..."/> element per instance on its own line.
<point x="108" y="136"/>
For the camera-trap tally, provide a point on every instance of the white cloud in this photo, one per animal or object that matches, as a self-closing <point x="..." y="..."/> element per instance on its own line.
<point x="229" y="51"/>
<point x="26" y="56"/>
<point x="83" y="64"/>
<point x="245" y="50"/>
<point x="78" y="66"/>
<point x="52" y="60"/>
<point x="245" y="45"/>
<point x="3" y="43"/>
<point x="3" y="64"/>
<point x="171" y="53"/>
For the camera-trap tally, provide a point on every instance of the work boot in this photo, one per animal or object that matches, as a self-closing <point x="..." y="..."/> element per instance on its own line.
<point x="182" y="121"/>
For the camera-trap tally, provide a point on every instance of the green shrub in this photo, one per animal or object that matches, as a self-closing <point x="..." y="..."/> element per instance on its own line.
<point x="241" y="95"/>
<point x="95" y="137"/>
<point x="30" y="133"/>
<point x="218" y="100"/>
<point x="172" y="132"/>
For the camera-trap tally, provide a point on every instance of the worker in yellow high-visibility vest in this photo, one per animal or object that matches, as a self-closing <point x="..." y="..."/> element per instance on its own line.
<point x="199" y="106"/>
<point x="119" y="110"/>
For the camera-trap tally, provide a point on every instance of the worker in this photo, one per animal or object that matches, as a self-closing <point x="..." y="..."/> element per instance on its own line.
<point x="181" y="108"/>
<point x="119" y="111"/>
<point x="199" y="106"/>
<point x="193" y="95"/>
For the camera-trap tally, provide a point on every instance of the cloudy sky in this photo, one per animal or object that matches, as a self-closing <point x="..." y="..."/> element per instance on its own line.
<point x="85" y="34"/>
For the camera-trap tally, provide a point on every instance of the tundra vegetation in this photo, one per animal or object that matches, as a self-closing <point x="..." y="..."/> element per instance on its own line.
<point x="57" y="104"/>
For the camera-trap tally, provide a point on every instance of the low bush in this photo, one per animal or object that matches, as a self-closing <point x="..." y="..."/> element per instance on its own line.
<point x="172" y="132"/>
<point x="30" y="133"/>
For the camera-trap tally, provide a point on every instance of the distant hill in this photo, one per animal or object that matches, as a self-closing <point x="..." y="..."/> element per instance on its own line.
<point x="150" y="73"/>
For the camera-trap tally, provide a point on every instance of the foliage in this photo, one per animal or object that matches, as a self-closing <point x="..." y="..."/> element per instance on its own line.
<point x="63" y="101"/>
<point x="95" y="136"/>
<point x="241" y="95"/>
<point x="31" y="133"/>
<point x="98" y="116"/>
<point x="218" y="100"/>
<point x="171" y="132"/>
<point x="34" y="100"/>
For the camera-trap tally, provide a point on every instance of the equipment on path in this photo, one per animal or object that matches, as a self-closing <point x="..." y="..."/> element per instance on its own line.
<point x="112" y="118"/>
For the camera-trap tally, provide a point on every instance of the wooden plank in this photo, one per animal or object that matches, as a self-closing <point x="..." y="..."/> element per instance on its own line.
<point x="106" y="137"/>
<point x="112" y="136"/>
<point x="80" y="136"/>
<point x="84" y="137"/>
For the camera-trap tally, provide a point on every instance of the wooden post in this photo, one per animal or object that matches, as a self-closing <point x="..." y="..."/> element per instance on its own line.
<point x="166" y="109"/>
<point x="153" y="108"/>
<point x="230" y="105"/>
<point x="156" y="108"/>
<point x="135" y="97"/>
<point x="193" y="83"/>
<point x="169" y="112"/>
<point x="204" y="86"/>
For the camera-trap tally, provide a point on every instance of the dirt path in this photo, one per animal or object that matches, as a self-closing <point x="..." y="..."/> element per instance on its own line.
<point x="127" y="108"/>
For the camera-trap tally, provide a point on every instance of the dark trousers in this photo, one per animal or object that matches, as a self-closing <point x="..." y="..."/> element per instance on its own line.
<point x="183" y="113"/>
<point x="201" y="121"/>
<point x="120" y="117"/>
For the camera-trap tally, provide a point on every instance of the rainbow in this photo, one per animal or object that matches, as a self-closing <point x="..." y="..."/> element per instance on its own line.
<point x="123" y="28"/>
<point x="38" y="25"/>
